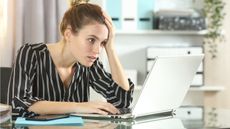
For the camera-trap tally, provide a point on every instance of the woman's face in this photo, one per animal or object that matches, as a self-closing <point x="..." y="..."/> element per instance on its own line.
<point x="87" y="44"/>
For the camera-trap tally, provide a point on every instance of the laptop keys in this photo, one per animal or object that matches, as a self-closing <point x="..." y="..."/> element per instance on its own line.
<point x="124" y="110"/>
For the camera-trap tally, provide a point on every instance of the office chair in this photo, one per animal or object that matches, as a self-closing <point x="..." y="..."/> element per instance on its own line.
<point x="5" y="73"/>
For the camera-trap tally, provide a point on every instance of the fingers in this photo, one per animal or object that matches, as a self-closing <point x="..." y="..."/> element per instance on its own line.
<point x="102" y="112"/>
<point x="113" y="109"/>
<point x="106" y="108"/>
<point x="111" y="28"/>
<point x="109" y="23"/>
<point x="108" y="18"/>
<point x="96" y="107"/>
<point x="92" y="108"/>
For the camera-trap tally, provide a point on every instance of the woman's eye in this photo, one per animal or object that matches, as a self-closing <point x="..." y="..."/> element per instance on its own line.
<point x="103" y="43"/>
<point x="91" y="40"/>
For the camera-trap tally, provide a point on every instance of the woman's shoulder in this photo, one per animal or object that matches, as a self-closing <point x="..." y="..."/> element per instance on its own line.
<point x="33" y="47"/>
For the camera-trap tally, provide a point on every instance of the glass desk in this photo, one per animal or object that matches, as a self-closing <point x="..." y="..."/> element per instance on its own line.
<point x="216" y="119"/>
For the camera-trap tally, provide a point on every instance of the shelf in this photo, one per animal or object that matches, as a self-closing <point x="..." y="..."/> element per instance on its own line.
<point x="200" y="88"/>
<point x="207" y="88"/>
<point x="160" y="32"/>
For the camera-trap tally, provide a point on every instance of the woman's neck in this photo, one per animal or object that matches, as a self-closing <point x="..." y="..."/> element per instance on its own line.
<point x="61" y="55"/>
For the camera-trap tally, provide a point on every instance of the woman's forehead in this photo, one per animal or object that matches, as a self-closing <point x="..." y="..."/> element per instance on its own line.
<point x="99" y="30"/>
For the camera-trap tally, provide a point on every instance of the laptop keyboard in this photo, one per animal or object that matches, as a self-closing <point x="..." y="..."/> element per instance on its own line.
<point x="124" y="110"/>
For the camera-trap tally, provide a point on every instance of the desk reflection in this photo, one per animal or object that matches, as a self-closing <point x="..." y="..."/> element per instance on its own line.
<point x="87" y="125"/>
<point x="170" y="123"/>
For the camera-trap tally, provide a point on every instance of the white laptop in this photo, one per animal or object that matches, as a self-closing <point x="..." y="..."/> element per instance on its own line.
<point x="164" y="88"/>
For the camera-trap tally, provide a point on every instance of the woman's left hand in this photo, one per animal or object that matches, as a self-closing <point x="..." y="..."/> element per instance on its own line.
<point x="111" y="35"/>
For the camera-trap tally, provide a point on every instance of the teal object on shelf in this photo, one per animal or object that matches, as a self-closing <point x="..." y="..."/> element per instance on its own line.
<point x="113" y="8"/>
<point x="145" y="14"/>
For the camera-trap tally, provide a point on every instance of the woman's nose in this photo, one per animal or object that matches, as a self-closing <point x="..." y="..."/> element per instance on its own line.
<point x="96" y="48"/>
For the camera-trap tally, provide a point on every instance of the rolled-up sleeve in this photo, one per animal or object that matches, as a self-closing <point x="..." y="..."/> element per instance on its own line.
<point x="21" y="81"/>
<point x="102" y="82"/>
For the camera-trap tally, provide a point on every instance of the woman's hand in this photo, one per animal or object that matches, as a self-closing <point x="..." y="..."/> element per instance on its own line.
<point x="111" y="35"/>
<point x="96" y="107"/>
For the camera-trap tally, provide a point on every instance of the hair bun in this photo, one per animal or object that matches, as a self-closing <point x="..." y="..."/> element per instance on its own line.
<point x="77" y="2"/>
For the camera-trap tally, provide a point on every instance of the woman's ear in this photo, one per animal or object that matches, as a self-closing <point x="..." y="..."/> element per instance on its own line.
<point x="67" y="34"/>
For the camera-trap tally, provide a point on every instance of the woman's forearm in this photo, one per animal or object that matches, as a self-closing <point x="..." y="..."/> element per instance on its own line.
<point x="117" y="70"/>
<point x="49" y="107"/>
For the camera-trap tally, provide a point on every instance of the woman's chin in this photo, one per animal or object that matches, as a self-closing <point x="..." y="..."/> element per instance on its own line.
<point x="88" y="64"/>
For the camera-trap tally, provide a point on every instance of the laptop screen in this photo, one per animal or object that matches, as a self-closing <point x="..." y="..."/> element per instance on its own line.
<point x="166" y="84"/>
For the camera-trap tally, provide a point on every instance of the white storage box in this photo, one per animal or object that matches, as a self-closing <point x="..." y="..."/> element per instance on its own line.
<point x="190" y="113"/>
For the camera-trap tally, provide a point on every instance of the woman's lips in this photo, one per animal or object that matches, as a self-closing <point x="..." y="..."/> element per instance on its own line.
<point x="92" y="58"/>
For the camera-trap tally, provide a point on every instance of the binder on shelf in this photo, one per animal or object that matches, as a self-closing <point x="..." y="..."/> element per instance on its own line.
<point x="145" y="14"/>
<point x="114" y="9"/>
<point x="129" y="14"/>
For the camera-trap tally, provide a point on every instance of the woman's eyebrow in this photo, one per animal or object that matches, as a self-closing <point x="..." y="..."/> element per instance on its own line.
<point x="94" y="36"/>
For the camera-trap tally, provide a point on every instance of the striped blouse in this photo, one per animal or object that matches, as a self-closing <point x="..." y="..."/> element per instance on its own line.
<point x="35" y="78"/>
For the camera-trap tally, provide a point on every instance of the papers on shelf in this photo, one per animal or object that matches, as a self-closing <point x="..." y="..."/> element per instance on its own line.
<point x="5" y="114"/>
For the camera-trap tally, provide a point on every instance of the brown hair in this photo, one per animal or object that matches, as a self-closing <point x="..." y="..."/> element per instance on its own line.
<point x="80" y="14"/>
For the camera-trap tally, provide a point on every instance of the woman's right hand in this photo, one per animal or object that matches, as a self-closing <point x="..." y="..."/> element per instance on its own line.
<point x="98" y="107"/>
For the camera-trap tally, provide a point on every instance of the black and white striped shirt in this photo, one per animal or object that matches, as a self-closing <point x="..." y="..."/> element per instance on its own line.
<point x="34" y="78"/>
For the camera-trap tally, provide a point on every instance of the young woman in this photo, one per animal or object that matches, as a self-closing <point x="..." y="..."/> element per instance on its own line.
<point x="55" y="78"/>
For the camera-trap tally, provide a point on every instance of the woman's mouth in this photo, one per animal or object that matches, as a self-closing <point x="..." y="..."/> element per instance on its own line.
<point x="92" y="58"/>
